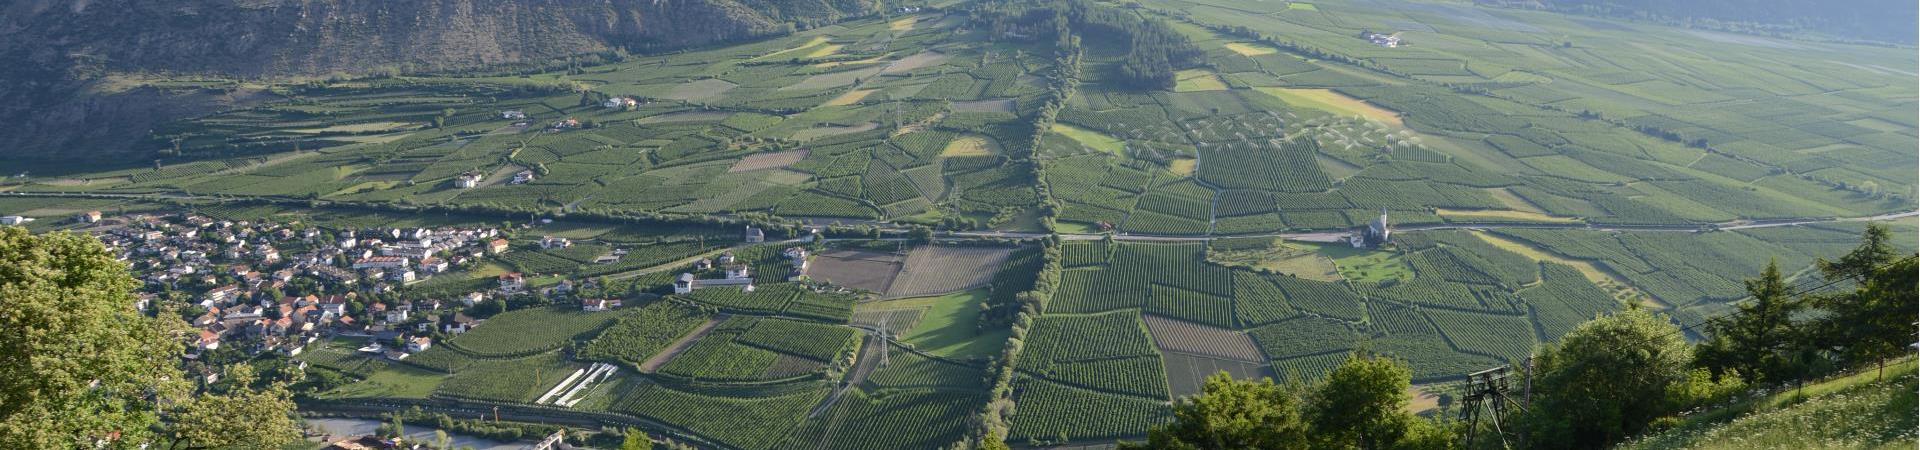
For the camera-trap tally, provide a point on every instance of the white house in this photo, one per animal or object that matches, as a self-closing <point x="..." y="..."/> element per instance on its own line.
<point x="596" y="305"/>
<point x="513" y="282"/>
<point x="467" y="180"/>
<point x="419" y="344"/>
<point x="686" y="283"/>
<point x="620" y="103"/>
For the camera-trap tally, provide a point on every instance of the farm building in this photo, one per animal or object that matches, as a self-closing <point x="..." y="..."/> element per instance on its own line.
<point x="686" y="283"/>
<point x="738" y="271"/>
<point x="798" y="257"/>
<point x="467" y="181"/>
<point x="754" y="235"/>
<point x="600" y="304"/>
<point x="621" y="103"/>
<point x="1381" y="39"/>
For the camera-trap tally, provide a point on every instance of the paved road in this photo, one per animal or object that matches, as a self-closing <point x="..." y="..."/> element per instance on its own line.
<point x="1316" y="236"/>
<point x="1331" y="236"/>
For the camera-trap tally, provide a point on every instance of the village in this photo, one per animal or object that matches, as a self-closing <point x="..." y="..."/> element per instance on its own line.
<point x="250" y="288"/>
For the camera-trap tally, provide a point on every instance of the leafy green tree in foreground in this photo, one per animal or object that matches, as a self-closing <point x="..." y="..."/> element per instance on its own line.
<point x="1361" y="404"/>
<point x="77" y="363"/>
<point x="79" y="367"/>
<point x="1233" y="414"/>
<point x="1606" y="380"/>
<point x="263" y="423"/>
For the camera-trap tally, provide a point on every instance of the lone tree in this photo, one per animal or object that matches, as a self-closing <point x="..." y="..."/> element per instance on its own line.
<point x="78" y="364"/>
<point x="1761" y="338"/>
<point x="1606" y="380"/>
<point x="1875" y="321"/>
<point x="1362" y="404"/>
<point x="1232" y="414"/>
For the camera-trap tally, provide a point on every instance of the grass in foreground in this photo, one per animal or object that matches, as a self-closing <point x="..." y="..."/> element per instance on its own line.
<point x="1853" y="412"/>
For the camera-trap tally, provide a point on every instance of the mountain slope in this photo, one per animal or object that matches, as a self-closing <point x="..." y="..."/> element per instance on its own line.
<point x="61" y="52"/>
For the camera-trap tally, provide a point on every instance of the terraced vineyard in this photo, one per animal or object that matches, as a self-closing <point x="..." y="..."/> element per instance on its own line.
<point x="1057" y="239"/>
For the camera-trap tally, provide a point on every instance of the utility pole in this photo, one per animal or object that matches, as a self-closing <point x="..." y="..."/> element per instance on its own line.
<point x="1486" y="394"/>
<point x="1526" y="394"/>
<point x="883" y="338"/>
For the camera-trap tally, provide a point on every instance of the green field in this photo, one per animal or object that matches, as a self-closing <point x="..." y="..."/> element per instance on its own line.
<point x="948" y="327"/>
<point x="395" y="382"/>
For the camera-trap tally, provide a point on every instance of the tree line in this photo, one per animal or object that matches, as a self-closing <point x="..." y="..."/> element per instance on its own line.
<point x="1153" y="49"/>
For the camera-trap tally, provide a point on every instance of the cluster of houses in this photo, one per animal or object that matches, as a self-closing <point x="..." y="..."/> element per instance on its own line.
<point x="234" y="270"/>
<point x="233" y="279"/>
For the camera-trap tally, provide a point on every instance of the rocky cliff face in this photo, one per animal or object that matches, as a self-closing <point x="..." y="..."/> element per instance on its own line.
<point x="57" y="51"/>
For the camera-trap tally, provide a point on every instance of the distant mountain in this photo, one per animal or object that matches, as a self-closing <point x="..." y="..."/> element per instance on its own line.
<point x="1890" y="21"/>
<point x="62" y="88"/>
